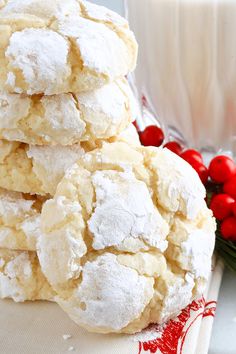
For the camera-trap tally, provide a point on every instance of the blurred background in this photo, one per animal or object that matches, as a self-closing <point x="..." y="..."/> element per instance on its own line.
<point x="116" y="5"/>
<point x="186" y="68"/>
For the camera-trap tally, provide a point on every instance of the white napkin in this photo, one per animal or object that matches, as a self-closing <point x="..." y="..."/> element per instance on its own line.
<point x="39" y="328"/>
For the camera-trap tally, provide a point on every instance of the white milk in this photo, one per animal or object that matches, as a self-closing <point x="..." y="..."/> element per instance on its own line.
<point x="187" y="66"/>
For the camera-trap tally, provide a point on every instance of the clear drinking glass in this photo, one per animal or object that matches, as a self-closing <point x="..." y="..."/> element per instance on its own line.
<point x="186" y="73"/>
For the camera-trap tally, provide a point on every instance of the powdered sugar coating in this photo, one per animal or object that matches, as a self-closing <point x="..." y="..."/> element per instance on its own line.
<point x="12" y="109"/>
<point x="102" y="14"/>
<point x="67" y="47"/>
<point x="191" y="243"/>
<point x="112" y="286"/>
<point x="67" y="241"/>
<point x="178" y="290"/>
<point x="44" y="9"/>
<point x="42" y="59"/>
<point x="130" y="136"/>
<point x="61" y="114"/>
<point x="178" y="184"/>
<point x="67" y="119"/>
<point x="94" y="56"/>
<point x="55" y="159"/>
<point x="124" y="210"/>
<point x="21" y="278"/>
<point x="19" y="220"/>
<point x="123" y="231"/>
<point x="35" y="169"/>
<point x="38" y="169"/>
<point x="12" y="204"/>
<point x="108" y="110"/>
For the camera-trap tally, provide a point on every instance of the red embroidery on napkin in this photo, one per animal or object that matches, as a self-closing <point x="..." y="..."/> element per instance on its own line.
<point x="210" y="309"/>
<point x="172" y="337"/>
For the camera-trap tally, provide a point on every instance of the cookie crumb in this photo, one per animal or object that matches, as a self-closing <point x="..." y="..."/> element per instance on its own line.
<point x="66" y="336"/>
<point x="71" y="349"/>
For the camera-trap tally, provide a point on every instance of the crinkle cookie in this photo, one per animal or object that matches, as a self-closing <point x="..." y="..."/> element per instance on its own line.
<point x="38" y="169"/>
<point x="129" y="136"/>
<point x="58" y="46"/>
<point x="21" y="278"/>
<point x="34" y="169"/>
<point x="19" y="220"/>
<point x="118" y="241"/>
<point x="67" y="119"/>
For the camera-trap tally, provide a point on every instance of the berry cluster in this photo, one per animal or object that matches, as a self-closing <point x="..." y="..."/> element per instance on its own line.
<point x="219" y="179"/>
<point x="154" y="136"/>
<point x="222" y="171"/>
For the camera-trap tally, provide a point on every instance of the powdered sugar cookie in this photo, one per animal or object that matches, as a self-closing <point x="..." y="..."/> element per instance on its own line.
<point x="38" y="169"/>
<point x="57" y="46"/>
<point x="111" y="238"/>
<point x="67" y="119"/>
<point x="19" y="220"/>
<point x="129" y="136"/>
<point x="21" y="278"/>
<point x="34" y="169"/>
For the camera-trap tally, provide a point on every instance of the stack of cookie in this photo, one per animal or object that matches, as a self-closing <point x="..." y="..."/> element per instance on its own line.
<point x="63" y="92"/>
<point x="106" y="228"/>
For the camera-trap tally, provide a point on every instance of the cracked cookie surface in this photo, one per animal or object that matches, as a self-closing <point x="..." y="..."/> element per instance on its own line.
<point x="67" y="119"/>
<point x="37" y="169"/>
<point x="56" y="46"/>
<point x="19" y="220"/>
<point x="118" y="238"/>
<point x="21" y="278"/>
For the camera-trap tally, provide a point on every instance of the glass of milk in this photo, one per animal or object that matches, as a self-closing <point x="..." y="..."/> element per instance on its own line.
<point x="186" y="73"/>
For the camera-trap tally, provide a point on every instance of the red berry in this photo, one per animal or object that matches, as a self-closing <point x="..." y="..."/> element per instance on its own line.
<point x="151" y="136"/>
<point x="201" y="170"/>
<point x="222" y="206"/>
<point x="228" y="228"/>
<point x="230" y="187"/>
<point x="174" y="147"/>
<point x="192" y="156"/>
<point x="221" y="169"/>
<point x="234" y="209"/>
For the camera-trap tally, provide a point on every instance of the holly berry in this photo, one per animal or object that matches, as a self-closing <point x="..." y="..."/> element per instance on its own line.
<point x="222" y="206"/>
<point x="228" y="228"/>
<point x="230" y="187"/>
<point x="151" y="136"/>
<point x="234" y="209"/>
<point x="201" y="170"/>
<point x="221" y="169"/>
<point x="174" y="147"/>
<point x="191" y="156"/>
